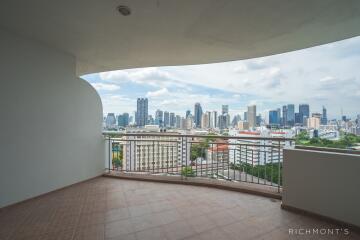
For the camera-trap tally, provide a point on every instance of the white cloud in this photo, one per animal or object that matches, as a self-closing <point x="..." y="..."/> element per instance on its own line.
<point x="326" y="75"/>
<point x="105" y="86"/>
<point x="159" y="93"/>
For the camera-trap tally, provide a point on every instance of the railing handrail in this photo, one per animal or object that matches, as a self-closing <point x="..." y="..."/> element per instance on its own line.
<point x="196" y="136"/>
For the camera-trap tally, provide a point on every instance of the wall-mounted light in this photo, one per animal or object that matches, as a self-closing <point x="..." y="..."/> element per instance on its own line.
<point x="124" y="10"/>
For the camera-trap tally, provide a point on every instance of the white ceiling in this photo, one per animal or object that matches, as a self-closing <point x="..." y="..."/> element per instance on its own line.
<point x="178" y="32"/>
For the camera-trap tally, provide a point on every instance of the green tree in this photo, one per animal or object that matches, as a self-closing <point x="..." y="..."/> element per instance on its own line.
<point x="117" y="162"/>
<point x="187" y="172"/>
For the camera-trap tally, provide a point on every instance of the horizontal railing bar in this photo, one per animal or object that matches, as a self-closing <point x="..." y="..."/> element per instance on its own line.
<point x="142" y="140"/>
<point x="198" y="136"/>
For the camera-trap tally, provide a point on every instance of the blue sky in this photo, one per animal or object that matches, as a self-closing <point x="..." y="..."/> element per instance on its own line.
<point x="326" y="75"/>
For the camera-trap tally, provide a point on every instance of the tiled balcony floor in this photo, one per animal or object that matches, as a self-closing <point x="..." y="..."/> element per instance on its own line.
<point x="107" y="208"/>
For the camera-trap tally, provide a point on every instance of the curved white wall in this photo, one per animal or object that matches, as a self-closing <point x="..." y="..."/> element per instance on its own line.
<point x="50" y="122"/>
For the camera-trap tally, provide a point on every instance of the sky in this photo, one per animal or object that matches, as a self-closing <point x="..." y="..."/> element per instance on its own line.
<point x="326" y="75"/>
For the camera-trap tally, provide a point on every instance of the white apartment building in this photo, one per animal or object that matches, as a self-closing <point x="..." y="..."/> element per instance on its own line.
<point x="163" y="152"/>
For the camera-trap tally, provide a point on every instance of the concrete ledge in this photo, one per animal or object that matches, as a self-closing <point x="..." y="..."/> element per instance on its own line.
<point x="250" y="188"/>
<point x="321" y="217"/>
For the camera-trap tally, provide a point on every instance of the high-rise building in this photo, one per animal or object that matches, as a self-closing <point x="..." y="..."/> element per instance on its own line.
<point x="214" y="119"/>
<point x="323" y="116"/>
<point x="258" y="120"/>
<point x="223" y="121"/>
<point x="166" y="119"/>
<point x="142" y="112"/>
<point x="150" y="120"/>
<point x="235" y="120"/>
<point x="188" y="112"/>
<point x="298" y="119"/>
<point x="110" y="120"/>
<point x="198" y="114"/>
<point x="304" y="110"/>
<point x="205" y="120"/>
<point x="224" y="109"/>
<point x="123" y="120"/>
<point x="274" y="118"/>
<point x="177" y="121"/>
<point x="245" y="116"/>
<point x="251" y="116"/>
<point x="243" y="125"/>
<point x="189" y="122"/>
<point x="290" y="114"/>
<point x="183" y="123"/>
<point x="313" y="122"/>
<point x="159" y="116"/>
<point x="172" y="120"/>
<point x="284" y="116"/>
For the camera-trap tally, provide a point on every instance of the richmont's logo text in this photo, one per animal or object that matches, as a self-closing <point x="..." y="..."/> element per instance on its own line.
<point x="319" y="231"/>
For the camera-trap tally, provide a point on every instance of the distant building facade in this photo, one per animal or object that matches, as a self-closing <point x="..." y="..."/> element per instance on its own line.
<point x="198" y="114"/>
<point x="142" y="112"/>
<point x="251" y="116"/>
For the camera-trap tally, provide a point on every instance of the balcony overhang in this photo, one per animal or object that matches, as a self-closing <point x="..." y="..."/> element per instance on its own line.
<point x="178" y="32"/>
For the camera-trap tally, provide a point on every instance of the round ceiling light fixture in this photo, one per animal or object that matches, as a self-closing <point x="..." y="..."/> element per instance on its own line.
<point x="124" y="10"/>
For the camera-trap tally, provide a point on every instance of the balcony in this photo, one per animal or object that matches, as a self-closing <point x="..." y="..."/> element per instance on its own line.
<point x="53" y="154"/>
<point x="176" y="194"/>
<point x="108" y="208"/>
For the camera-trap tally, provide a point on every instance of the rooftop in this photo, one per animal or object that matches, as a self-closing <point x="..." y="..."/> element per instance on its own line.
<point x="108" y="208"/>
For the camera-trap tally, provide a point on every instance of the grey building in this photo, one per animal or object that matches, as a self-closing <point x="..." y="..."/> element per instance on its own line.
<point x="224" y="109"/>
<point x="110" y="120"/>
<point x="323" y="119"/>
<point x="198" y="114"/>
<point x="172" y="120"/>
<point x="284" y="116"/>
<point x="251" y="116"/>
<point x="142" y="112"/>
<point x="166" y="119"/>
<point x="159" y="116"/>
<point x="123" y="120"/>
<point x="290" y="116"/>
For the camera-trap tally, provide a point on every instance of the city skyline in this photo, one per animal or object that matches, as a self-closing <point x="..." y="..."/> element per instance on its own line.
<point x="287" y="116"/>
<point x="324" y="75"/>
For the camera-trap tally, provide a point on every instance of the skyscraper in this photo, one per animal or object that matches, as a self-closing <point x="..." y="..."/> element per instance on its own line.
<point x="251" y="116"/>
<point x="159" y="116"/>
<point x="123" y="120"/>
<point x="298" y="119"/>
<point x="235" y="120"/>
<point x="284" y="116"/>
<point x="214" y="119"/>
<point x="224" y="109"/>
<point x="198" y="115"/>
<point x="304" y="112"/>
<point x="323" y="116"/>
<point x="290" y="114"/>
<point x="274" y="118"/>
<point x="205" y="120"/>
<point x="172" y="120"/>
<point x="166" y="119"/>
<point x="188" y="112"/>
<point x="110" y="120"/>
<point x="178" y="121"/>
<point x="222" y="121"/>
<point x="142" y="112"/>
